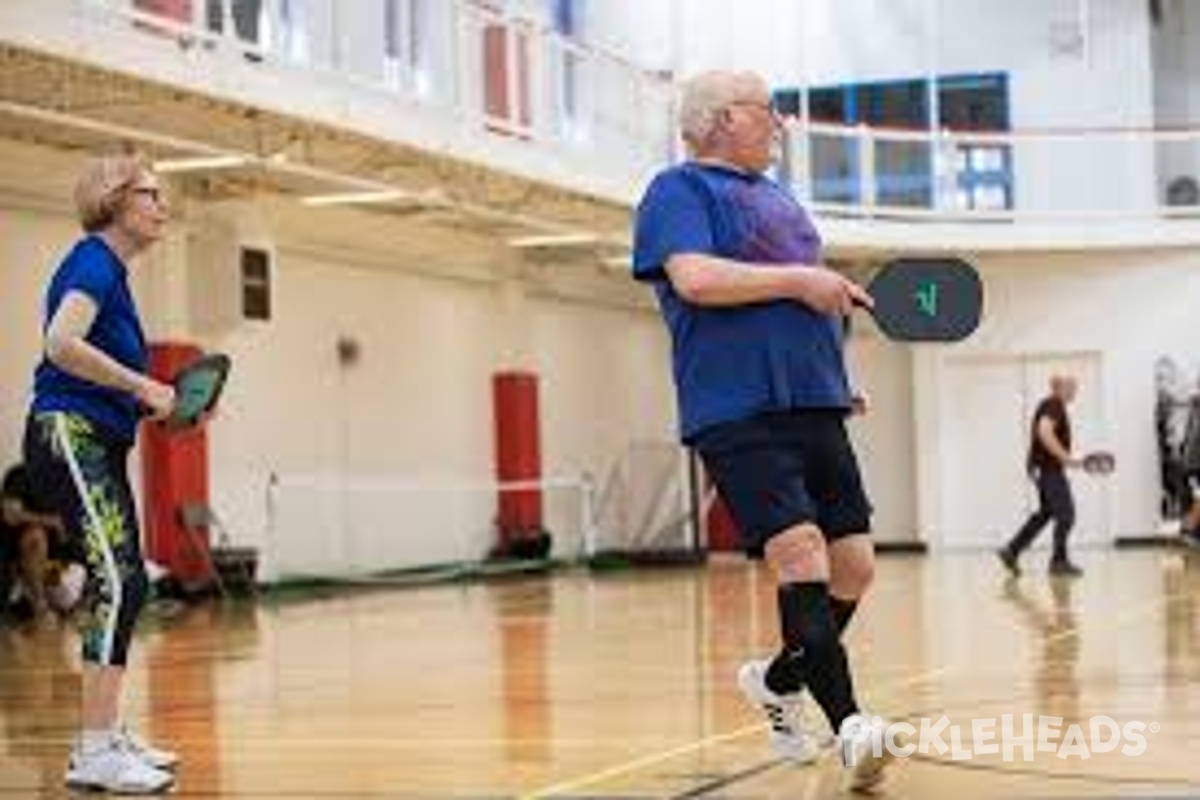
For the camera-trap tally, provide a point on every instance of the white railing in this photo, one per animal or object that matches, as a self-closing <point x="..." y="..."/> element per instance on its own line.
<point x="510" y="76"/>
<point x="517" y="79"/>
<point x="1045" y="176"/>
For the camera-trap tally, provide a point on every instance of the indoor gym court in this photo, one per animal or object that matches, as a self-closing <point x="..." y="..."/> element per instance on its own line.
<point x="408" y="225"/>
<point x="619" y="685"/>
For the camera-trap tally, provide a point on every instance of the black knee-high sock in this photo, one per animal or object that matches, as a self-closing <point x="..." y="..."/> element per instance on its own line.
<point x="843" y="610"/>
<point x="813" y="649"/>
<point x="783" y="677"/>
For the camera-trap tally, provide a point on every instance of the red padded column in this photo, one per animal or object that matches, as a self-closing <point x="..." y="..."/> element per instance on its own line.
<point x="518" y="454"/>
<point x="174" y="472"/>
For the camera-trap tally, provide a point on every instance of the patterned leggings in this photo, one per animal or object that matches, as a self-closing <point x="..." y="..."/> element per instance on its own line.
<point x="81" y="472"/>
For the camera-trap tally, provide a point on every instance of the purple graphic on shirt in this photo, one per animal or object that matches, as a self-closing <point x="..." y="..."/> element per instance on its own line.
<point x="775" y="227"/>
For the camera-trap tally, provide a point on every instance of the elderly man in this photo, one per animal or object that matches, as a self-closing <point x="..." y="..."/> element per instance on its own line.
<point x="756" y="322"/>
<point x="1048" y="458"/>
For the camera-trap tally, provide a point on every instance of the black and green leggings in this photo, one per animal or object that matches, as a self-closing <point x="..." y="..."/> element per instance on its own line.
<point x="81" y="472"/>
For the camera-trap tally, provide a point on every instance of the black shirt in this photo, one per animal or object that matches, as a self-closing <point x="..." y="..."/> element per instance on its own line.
<point x="1039" y="457"/>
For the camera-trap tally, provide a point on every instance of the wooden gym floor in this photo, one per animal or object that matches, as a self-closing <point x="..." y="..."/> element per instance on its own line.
<point x="620" y="685"/>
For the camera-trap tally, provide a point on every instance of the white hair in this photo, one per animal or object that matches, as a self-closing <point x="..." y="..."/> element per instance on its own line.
<point x="704" y="96"/>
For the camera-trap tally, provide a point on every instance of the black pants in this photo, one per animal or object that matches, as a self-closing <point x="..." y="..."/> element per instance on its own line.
<point x="1055" y="502"/>
<point x="81" y="472"/>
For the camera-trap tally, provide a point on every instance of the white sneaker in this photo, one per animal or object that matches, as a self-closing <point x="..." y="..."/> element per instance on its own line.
<point x="859" y="756"/>
<point x="114" y="767"/>
<point x="785" y="713"/>
<point x="153" y="756"/>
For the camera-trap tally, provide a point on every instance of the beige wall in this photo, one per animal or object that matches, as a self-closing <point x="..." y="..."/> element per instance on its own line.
<point x="415" y="408"/>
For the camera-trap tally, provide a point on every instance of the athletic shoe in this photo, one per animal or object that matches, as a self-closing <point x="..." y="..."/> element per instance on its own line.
<point x="785" y="713"/>
<point x="114" y="767"/>
<point x="154" y="756"/>
<point x="866" y="767"/>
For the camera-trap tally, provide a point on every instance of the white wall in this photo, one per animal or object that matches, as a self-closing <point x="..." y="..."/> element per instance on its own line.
<point x="31" y="243"/>
<point x="598" y="388"/>
<point x="416" y="406"/>
<point x="1130" y="308"/>
<point x="415" y="411"/>
<point x="884" y="437"/>
<point x="652" y="42"/>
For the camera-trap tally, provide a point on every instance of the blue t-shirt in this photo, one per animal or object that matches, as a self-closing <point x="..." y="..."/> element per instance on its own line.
<point x="734" y="362"/>
<point x="94" y="269"/>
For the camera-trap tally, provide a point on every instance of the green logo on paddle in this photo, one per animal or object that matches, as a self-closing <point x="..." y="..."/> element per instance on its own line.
<point x="927" y="299"/>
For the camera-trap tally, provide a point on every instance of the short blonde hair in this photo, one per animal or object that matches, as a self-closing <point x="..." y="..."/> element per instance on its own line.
<point x="102" y="186"/>
<point x="704" y="96"/>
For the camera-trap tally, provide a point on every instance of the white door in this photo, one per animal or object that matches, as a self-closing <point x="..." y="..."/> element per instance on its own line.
<point x="987" y="404"/>
<point x="983" y="484"/>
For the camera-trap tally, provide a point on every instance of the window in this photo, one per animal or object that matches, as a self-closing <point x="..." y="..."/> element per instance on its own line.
<point x="904" y="170"/>
<point x="256" y="283"/>
<point x="973" y="103"/>
<point x="567" y="18"/>
<point x="406" y="32"/>
<point x="982" y="172"/>
<point x="827" y="105"/>
<point x="786" y="102"/>
<point x="292" y="37"/>
<point x="896" y="104"/>
<point x="245" y="16"/>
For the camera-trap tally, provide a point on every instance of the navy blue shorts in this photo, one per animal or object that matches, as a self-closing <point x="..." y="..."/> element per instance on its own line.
<point x="781" y="469"/>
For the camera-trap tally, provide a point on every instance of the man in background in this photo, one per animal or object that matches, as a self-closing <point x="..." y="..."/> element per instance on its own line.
<point x="1048" y="459"/>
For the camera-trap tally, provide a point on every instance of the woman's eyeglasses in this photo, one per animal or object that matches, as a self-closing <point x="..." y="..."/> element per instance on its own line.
<point x="153" y="193"/>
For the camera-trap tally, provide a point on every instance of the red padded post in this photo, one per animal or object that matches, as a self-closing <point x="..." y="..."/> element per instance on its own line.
<point x="174" y="473"/>
<point x="518" y="454"/>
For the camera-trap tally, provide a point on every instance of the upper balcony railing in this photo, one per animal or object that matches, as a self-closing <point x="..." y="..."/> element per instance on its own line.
<point x="468" y="61"/>
<point x="1040" y="176"/>
<point x="495" y="74"/>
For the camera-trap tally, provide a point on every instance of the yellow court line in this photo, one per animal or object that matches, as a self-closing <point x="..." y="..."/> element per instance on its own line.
<point x="701" y="744"/>
<point x="646" y="761"/>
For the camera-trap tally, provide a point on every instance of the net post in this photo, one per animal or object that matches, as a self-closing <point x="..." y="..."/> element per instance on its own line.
<point x="271" y="500"/>
<point x="587" y="486"/>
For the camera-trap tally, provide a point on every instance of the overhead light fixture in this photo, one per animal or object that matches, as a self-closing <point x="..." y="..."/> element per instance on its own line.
<point x="354" y="198"/>
<point x="554" y="240"/>
<point x="199" y="163"/>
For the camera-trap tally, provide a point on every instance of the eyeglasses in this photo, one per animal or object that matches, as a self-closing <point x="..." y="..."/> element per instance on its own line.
<point x="154" y="193"/>
<point x="762" y="105"/>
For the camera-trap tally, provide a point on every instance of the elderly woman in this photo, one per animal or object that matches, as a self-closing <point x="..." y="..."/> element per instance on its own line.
<point x="90" y="390"/>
